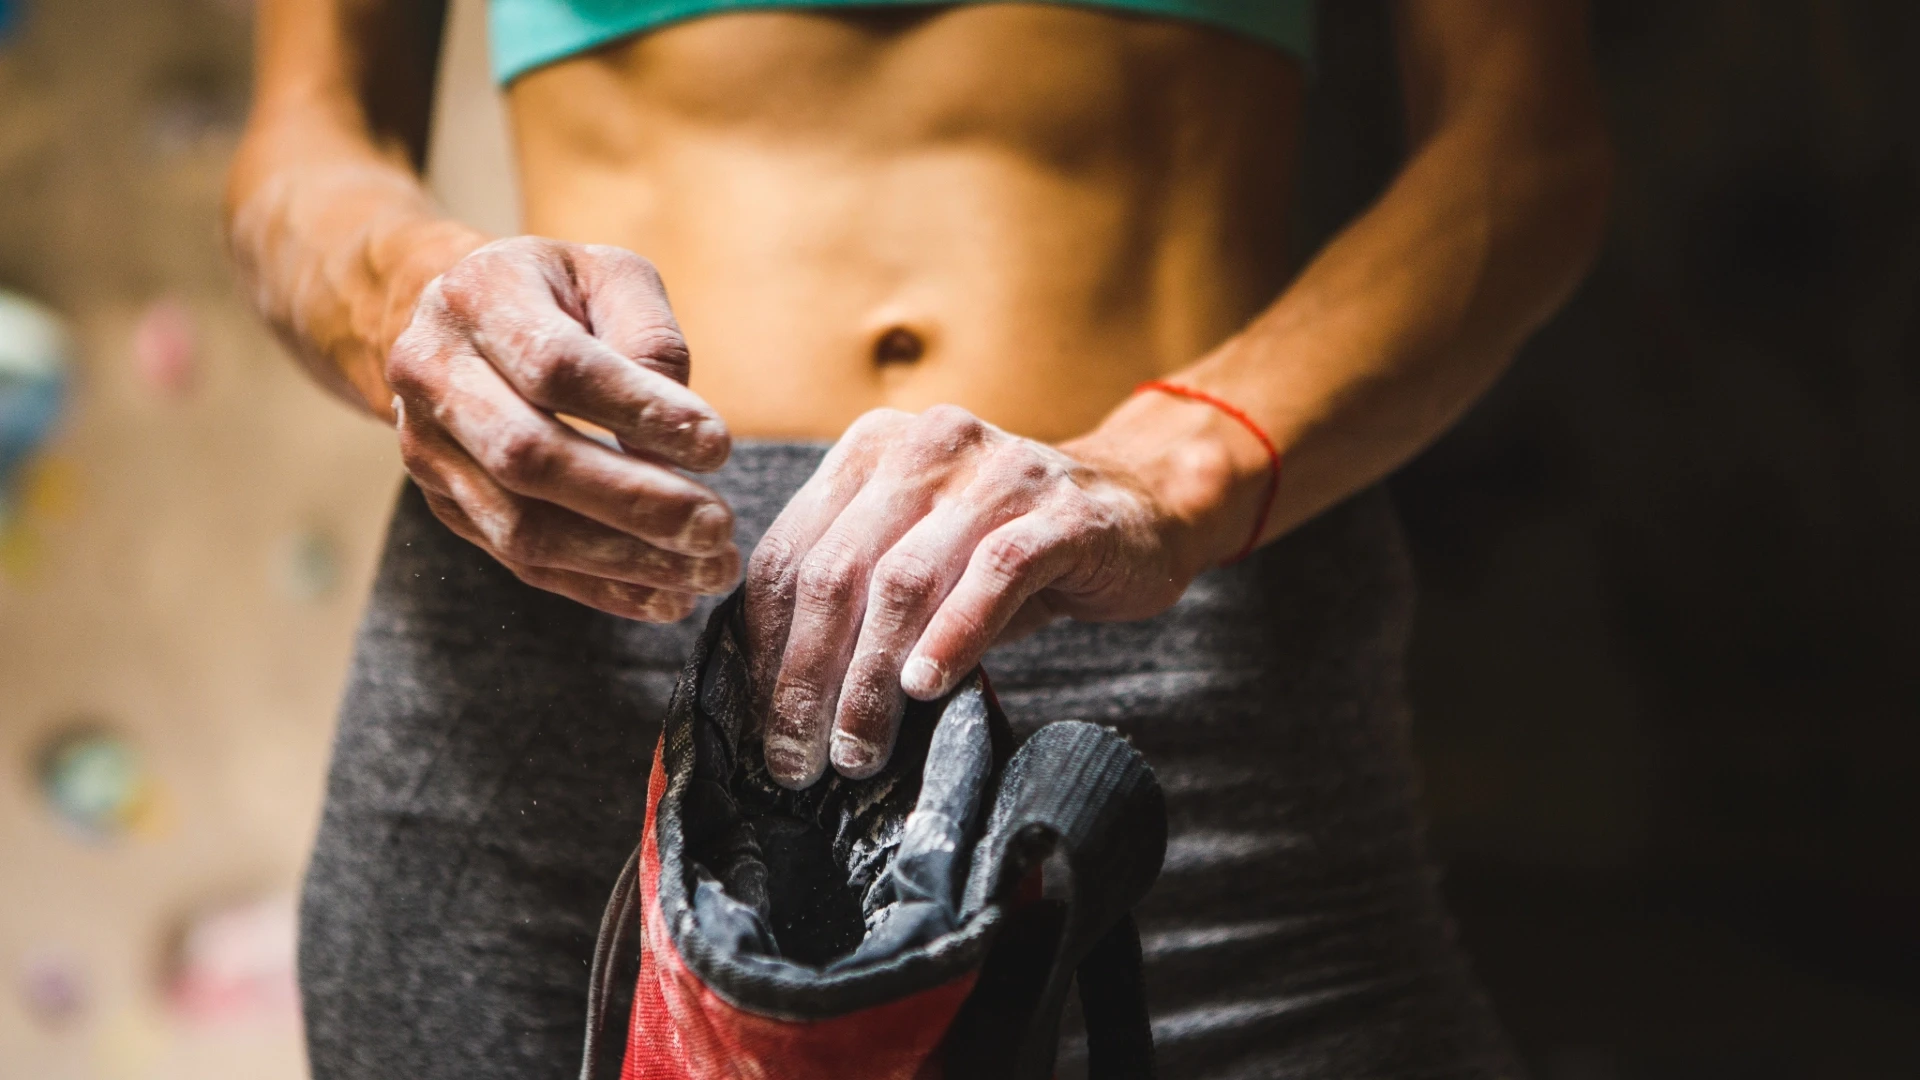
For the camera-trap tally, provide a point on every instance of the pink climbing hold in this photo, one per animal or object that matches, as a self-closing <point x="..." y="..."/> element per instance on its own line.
<point x="236" y="963"/>
<point x="54" y="987"/>
<point x="164" y="347"/>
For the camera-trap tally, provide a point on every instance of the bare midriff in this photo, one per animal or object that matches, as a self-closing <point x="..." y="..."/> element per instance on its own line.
<point x="1021" y="209"/>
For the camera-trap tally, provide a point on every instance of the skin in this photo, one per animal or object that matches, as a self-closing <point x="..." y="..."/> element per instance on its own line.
<point x="951" y="238"/>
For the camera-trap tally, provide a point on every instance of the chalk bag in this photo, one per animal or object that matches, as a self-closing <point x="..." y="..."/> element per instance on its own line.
<point x="923" y="924"/>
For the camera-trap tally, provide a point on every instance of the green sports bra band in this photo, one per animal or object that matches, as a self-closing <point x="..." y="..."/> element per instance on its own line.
<point x="526" y="34"/>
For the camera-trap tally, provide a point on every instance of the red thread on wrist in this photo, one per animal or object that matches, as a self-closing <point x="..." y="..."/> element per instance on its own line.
<point x="1273" y="453"/>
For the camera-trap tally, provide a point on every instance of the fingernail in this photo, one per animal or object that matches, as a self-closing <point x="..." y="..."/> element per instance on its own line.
<point x="851" y="753"/>
<point x="707" y="527"/>
<point x="923" y="678"/>
<point x="710" y="435"/>
<point x="786" y="759"/>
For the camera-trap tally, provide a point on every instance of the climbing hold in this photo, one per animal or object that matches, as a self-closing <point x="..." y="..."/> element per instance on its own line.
<point x="34" y="351"/>
<point x="94" y="781"/>
<point x="53" y="986"/>
<point x="49" y="488"/>
<point x="310" y="566"/>
<point x="165" y="347"/>
<point x="236" y="963"/>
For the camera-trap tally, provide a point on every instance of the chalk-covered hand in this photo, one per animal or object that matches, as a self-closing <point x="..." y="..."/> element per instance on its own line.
<point x="517" y="334"/>
<point x="921" y="542"/>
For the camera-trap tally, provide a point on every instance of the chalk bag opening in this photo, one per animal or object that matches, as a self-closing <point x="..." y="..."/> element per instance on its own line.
<point x="925" y="923"/>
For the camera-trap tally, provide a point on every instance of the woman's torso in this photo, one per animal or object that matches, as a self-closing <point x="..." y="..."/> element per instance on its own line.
<point x="1021" y="209"/>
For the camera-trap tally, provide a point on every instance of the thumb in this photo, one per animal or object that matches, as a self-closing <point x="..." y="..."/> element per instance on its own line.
<point x="626" y="307"/>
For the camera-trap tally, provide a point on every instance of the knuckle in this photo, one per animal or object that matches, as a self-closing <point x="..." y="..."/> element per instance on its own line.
<point x="553" y="372"/>
<point x="1016" y="461"/>
<point x="875" y="423"/>
<point x="829" y="575"/>
<point x="406" y="374"/>
<point x="772" y="558"/>
<point x="521" y="458"/>
<point x="1103" y="572"/>
<point x="664" y="349"/>
<point x="454" y="293"/>
<point x="904" y="580"/>
<point x="951" y="426"/>
<point x="413" y="359"/>
<point x="413" y="451"/>
<point x="796" y="696"/>
<point x="518" y="536"/>
<point x="1009" y="556"/>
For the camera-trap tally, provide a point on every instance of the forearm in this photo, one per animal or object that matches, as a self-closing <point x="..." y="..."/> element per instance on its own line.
<point x="333" y="242"/>
<point x="1383" y="341"/>
<point x="327" y="221"/>
<point x="923" y="540"/>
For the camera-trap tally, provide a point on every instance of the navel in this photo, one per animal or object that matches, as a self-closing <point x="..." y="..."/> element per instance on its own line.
<point x="898" y="345"/>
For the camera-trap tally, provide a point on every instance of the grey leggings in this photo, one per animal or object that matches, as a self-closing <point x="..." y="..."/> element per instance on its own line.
<point x="493" y="750"/>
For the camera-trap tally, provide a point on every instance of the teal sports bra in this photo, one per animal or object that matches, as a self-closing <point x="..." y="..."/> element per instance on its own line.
<point x="526" y="34"/>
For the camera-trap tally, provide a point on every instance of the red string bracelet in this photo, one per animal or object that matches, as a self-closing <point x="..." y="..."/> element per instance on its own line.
<point x="1273" y="453"/>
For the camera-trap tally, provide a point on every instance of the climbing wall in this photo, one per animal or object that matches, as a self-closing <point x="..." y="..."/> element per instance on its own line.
<point x="187" y="529"/>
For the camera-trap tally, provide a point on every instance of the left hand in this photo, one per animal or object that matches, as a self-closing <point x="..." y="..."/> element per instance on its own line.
<point x="921" y="542"/>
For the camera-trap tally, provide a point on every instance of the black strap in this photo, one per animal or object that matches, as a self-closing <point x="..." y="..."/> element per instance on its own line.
<point x="1078" y="791"/>
<point x="621" y="915"/>
<point x="1113" y="1001"/>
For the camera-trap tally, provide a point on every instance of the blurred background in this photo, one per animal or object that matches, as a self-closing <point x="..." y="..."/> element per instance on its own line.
<point x="1664" y="667"/>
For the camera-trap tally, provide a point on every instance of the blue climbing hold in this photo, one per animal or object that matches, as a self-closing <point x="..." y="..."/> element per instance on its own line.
<point x="34" y="351"/>
<point x="94" y="781"/>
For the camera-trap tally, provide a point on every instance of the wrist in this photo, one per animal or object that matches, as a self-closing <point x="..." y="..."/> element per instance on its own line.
<point x="401" y="258"/>
<point x="1207" y="472"/>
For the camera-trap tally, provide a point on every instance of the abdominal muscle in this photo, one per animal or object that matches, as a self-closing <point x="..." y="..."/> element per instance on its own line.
<point x="1021" y="209"/>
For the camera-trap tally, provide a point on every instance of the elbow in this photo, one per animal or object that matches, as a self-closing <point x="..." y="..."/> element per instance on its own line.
<point x="1584" y="190"/>
<point x="1561" y="216"/>
<point x="1549" y="199"/>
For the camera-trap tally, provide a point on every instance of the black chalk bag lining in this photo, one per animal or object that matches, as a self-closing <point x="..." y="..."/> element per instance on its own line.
<point x="853" y="893"/>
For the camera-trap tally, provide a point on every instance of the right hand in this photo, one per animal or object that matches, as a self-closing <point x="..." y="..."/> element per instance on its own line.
<point x="514" y="334"/>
